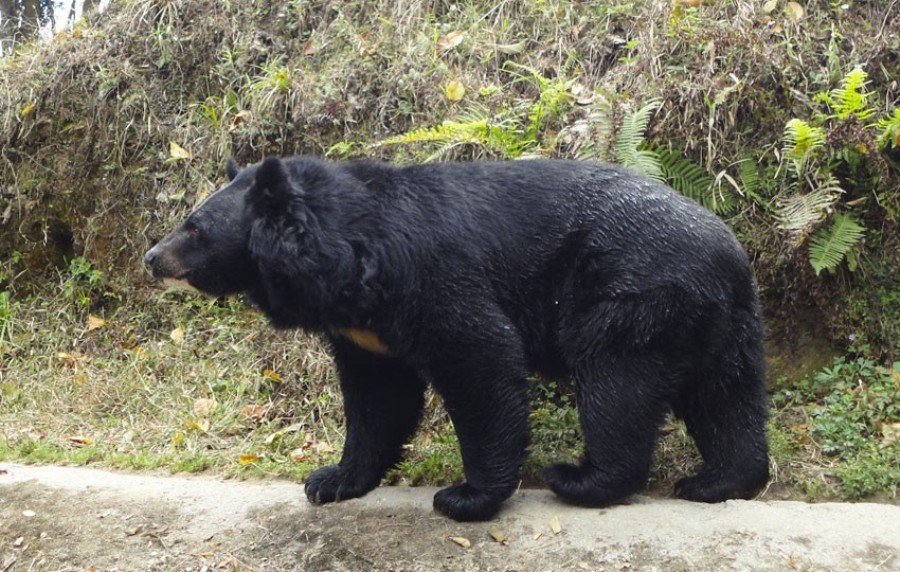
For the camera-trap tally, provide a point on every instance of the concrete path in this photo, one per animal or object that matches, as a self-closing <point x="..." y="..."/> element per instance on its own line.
<point x="63" y="518"/>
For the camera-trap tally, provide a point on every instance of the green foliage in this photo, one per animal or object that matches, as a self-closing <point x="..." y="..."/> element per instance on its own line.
<point x="830" y="245"/>
<point x="850" y="99"/>
<point x="495" y="135"/>
<point x="553" y="101"/>
<point x="889" y="128"/>
<point x="83" y="284"/>
<point x="506" y="133"/>
<point x="692" y="180"/>
<point x="853" y="408"/>
<point x="801" y="143"/>
<point x="630" y="139"/>
<point x="833" y="169"/>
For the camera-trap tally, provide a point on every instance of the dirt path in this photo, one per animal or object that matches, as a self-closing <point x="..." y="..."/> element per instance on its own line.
<point x="61" y="518"/>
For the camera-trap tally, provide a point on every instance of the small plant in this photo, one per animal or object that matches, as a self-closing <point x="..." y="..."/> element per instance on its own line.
<point x="83" y="284"/>
<point x="833" y="166"/>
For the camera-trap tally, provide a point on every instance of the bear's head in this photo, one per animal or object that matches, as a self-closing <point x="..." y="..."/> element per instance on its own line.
<point x="278" y="233"/>
<point x="209" y="250"/>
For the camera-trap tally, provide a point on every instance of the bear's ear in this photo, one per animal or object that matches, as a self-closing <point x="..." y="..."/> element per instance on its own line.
<point x="273" y="189"/>
<point x="232" y="168"/>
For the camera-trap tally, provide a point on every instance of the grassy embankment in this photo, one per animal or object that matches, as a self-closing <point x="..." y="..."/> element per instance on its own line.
<point x="112" y="132"/>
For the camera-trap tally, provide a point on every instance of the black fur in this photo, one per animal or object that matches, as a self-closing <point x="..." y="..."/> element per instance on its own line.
<point x="471" y="277"/>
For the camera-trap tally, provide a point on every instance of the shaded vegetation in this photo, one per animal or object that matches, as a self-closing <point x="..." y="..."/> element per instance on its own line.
<point x="785" y="123"/>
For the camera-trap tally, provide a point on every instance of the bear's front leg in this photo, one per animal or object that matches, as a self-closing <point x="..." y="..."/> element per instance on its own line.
<point x="484" y="387"/>
<point x="382" y="404"/>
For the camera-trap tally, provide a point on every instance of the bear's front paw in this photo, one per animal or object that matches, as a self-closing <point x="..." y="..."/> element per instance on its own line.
<point x="465" y="503"/>
<point x="333" y="484"/>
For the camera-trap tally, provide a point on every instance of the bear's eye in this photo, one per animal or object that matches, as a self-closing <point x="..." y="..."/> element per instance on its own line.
<point x="193" y="231"/>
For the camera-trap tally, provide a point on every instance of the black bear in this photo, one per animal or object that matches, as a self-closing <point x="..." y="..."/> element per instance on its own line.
<point x="472" y="276"/>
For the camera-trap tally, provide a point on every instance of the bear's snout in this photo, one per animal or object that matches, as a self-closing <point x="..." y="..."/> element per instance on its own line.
<point x="149" y="257"/>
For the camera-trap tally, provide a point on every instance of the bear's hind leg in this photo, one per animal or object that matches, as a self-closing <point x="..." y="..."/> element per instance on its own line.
<point x="383" y="401"/>
<point x="622" y="403"/>
<point x="726" y="414"/>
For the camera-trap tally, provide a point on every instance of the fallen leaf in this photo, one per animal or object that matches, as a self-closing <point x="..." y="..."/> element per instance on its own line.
<point x="498" y="536"/>
<point x="555" y="525"/>
<point x="177" y="335"/>
<point x="461" y="540"/>
<point x="273" y="436"/>
<point x="272" y="375"/>
<point x="253" y="412"/>
<point x="19" y="541"/>
<point x="242" y="116"/>
<point x="176" y="151"/>
<point x="323" y="447"/>
<point x="770" y="6"/>
<point x="298" y="455"/>
<point x="310" y="47"/>
<point x="95" y="322"/>
<point x="891" y="433"/>
<point x="80" y="440"/>
<point x="455" y="91"/>
<point x="794" y="11"/>
<point x="201" y="425"/>
<point x="248" y="458"/>
<point x="204" y="406"/>
<point x="27" y="109"/>
<point x="450" y="41"/>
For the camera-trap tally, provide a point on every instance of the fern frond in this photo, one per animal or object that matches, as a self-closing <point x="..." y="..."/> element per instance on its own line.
<point x="829" y="246"/>
<point x="801" y="142"/>
<point x="800" y="212"/>
<point x="630" y="138"/>
<point x="851" y="98"/>
<point x="890" y="130"/>
<point x="692" y="180"/>
<point x="748" y="172"/>
<point x="598" y="127"/>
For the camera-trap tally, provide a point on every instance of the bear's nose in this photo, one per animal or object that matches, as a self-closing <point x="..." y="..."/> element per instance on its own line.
<point x="150" y="257"/>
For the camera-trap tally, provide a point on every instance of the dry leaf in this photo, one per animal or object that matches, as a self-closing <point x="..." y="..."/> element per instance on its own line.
<point x="498" y="536"/>
<point x="242" y="116"/>
<point x="555" y="525"/>
<point x="204" y="406"/>
<point x="80" y="440"/>
<point x="253" y="412"/>
<point x="794" y="11"/>
<point x="310" y="47"/>
<point x="891" y="433"/>
<point x="177" y="335"/>
<point x="272" y="436"/>
<point x="272" y="375"/>
<point x="201" y="425"/>
<point x="461" y="540"/>
<point x="455" y="91"/>
<point x="298" y="455"/>
<point x="19" y="541"/>
<point x="323" y="447"/>
<point x="450" y="41"/>
<point x="176" y="151"/>
<point x="248" y="458"/>
<point x="770" y="6"/>
<point x="95" y="322"/>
